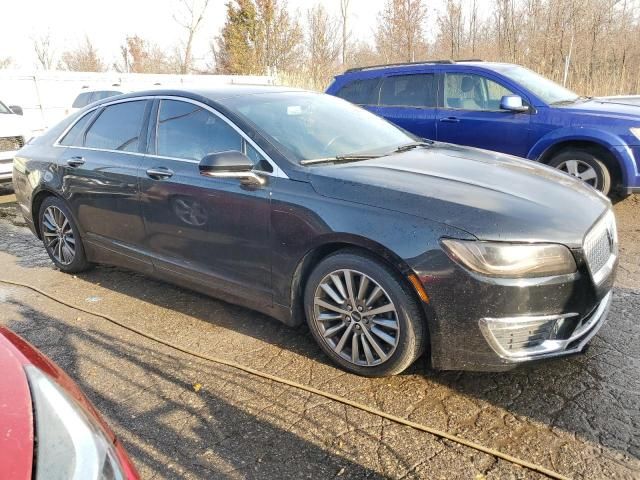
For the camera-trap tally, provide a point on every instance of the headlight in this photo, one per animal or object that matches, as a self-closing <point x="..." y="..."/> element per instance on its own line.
<point x="70" y="444"/>
<point x="511" y="260"/>
<point x="635" y="132"/>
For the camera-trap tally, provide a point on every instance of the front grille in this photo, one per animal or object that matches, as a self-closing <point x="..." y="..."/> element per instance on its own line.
<point x="8" y="144"/>
<point x="600" y="244"/>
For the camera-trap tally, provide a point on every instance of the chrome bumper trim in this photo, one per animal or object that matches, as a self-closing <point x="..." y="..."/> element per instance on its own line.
<point x="549" y="348"/>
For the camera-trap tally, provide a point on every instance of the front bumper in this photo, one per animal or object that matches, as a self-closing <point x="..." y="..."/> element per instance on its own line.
<point x="6" y="166"/>
<point x="563" y="313"/>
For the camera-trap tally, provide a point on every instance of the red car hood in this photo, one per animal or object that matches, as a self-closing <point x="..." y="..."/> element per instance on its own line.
<point x="16" y="415"/>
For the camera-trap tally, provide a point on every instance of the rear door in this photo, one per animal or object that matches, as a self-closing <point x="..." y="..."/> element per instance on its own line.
<point x="213" y="232"/>
<point x="410" y="101"/>
<point x="470" y="115"/>
<point x="104" y="151"/>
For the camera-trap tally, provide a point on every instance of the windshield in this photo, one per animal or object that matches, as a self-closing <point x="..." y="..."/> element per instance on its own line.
<point x="4" y="109"/>
<point x="547" y="90"/>
<point x="312" y="126"/>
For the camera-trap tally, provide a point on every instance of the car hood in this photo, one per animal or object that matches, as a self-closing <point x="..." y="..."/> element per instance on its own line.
<point x="12" y="125"/>
<point x="608" y="107"/>
<point x="489" y="195"/>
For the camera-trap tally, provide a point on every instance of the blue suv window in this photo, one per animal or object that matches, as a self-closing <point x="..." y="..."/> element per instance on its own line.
<point x="418" y="90"/>
<point x="360" y="92"/>
<point x="472" y="92"/>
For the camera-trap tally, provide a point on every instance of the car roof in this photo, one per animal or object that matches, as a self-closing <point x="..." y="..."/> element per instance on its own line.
<point x="419" y="66"/>
<point x="212" y="93"/>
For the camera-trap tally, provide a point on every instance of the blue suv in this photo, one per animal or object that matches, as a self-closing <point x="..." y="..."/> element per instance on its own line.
<point x="506" y="108"/>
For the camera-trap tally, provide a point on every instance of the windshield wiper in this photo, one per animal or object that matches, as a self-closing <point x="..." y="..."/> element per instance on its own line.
<point x="411" y="146"/>
<point x="339" y="158"/>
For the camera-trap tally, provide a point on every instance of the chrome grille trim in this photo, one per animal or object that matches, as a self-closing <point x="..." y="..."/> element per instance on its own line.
<point x="550" y="347"/>
<point x="9" y="144"/>
<point x="601" y="247"/>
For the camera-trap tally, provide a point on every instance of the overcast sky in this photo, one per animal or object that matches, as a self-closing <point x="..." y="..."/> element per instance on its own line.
<point x="108" y="22"/>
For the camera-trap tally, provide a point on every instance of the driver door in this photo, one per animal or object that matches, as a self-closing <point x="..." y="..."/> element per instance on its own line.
<point x="471" y="115"/>
<point x="210" y="232"/>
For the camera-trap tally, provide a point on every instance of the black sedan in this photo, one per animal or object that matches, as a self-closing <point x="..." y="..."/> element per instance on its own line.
<point x="303" y="206"/>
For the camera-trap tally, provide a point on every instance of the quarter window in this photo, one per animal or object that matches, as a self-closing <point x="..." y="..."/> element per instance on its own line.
<point x="118" y="127"/>
<point x="417" y="90"/>
<point x="187" y="131"/>
<point x="473" y="92"/>
<point x="73" y="136"/>
<point x="361" y="92"/>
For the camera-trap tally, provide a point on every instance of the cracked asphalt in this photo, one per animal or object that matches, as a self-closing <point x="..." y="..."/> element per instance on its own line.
<point x="579" y="416"/>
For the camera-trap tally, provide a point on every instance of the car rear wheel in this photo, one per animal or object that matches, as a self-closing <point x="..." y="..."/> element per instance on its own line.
<point x="61" y="237"/>
<point x="585" y="166"/>
<point x="363" y="315"/>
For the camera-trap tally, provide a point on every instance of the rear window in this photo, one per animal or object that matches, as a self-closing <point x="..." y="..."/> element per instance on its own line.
<point x="118" y="127"/>
<point x="418" y="90"/>
<point x="361" y="92"/>
<point x="81" y="100"/>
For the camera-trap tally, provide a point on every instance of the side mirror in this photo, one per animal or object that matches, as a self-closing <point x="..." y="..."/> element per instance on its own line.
<point x="16" y="109"/>
<point x="230" y="164"/>
<point x="513" y="103"/>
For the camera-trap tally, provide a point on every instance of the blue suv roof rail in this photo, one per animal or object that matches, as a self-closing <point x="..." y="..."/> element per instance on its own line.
<point x="403" y="64"/>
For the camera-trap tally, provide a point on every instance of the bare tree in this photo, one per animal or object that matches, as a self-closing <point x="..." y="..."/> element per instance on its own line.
<point x="190" y="19"/>
<point x="44" y="51"/>
<point x="322" y="44"/>
<point x="451" y="24"/>
<point x="142" y="56"/>
<point x="84" y="58"/>
<point x="344" y="16"/>
<point x="473" y="27"/>
<point x="400" y="31"/>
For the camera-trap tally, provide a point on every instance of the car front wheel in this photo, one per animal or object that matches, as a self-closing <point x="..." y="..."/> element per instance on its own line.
<point x="585" y="166"/>
<point x="363" y="315"/>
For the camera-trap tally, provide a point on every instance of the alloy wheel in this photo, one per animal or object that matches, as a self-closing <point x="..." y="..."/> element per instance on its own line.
<point x="58" y="235"/>
<point x="581" y="170"/>
<point x="356" y="318"/>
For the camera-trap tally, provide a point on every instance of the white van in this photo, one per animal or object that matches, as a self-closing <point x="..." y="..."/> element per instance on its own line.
<point x="13" y="135"/>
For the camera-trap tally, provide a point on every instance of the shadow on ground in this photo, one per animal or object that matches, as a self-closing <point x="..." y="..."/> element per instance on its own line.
<point x="208" y="436"/>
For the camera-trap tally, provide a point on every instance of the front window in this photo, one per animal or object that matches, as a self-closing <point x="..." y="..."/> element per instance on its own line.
<point x="313" y="126"/>
<point x="547" y="90"/>
<point x="189" y="132"/>
<point x="472" y="92"/>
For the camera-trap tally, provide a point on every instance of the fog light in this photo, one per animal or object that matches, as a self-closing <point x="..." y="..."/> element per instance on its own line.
<point x="518" y="337"/>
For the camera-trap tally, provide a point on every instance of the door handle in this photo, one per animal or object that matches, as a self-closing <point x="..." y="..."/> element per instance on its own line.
<point x="75" y="161"/>
<point x="450" y="119"/>
<point x="159" y="173"/>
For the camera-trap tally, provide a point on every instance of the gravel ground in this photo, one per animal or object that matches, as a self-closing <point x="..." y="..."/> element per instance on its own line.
<point x="180" y="417"/>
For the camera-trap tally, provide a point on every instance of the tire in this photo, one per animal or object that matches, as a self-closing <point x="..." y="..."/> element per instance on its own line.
<point x="404" y="325"/>
<point x="71" y="257"/>
<point x="582" y="163"/>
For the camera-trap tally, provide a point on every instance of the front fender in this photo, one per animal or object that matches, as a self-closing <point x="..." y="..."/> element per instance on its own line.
<point x="607" y="140"/>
